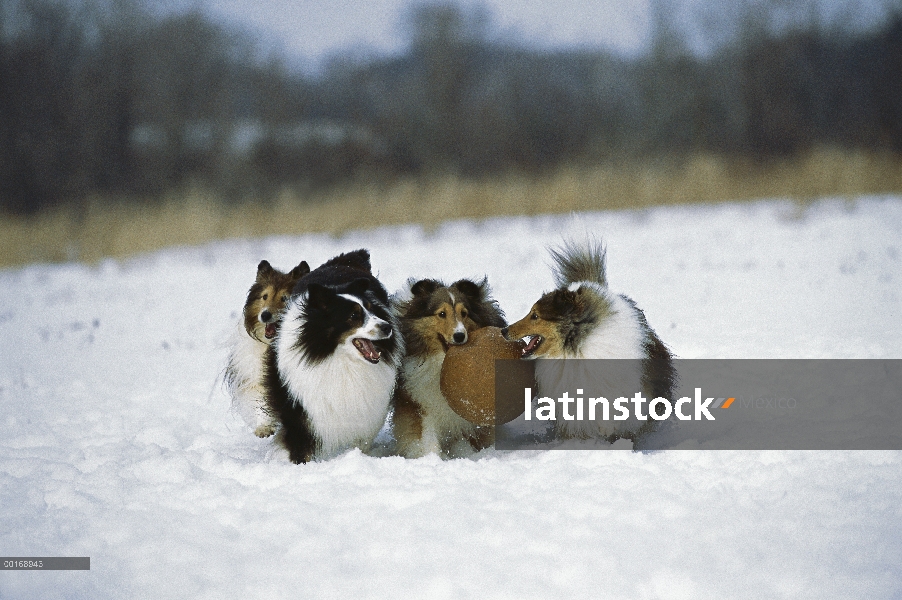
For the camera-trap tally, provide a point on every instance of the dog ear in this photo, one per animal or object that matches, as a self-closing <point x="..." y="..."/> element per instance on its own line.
<point x="424" y="287"/>
<point x="358" y="287"/>
<point x="473" y="291"/>
<point x="263" y="269"/>
<point x="318" y="296"/>
<point x="358" y="259"/>
<point x="299" y="271"/>
<point x="483" y="310"/>
<point x="564" y="302"/>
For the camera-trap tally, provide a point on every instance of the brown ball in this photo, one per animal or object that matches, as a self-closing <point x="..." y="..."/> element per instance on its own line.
<point x="468" y="378"/>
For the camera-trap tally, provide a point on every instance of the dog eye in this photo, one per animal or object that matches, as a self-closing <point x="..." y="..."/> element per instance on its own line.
<point x="442" y="314"/>
<point x="463" y="314"/>
<point x="266" y="296"/>
<point x="534" y="316"/>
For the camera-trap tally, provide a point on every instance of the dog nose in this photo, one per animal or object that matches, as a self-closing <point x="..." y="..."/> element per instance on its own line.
<point x="460" y="337"/>
<point x="384" y="329"/>
<point x="266" y="316"/>
<point x="504" y="332"/>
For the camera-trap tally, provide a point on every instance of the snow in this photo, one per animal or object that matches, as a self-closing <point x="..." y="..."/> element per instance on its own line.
<point x="117" y="441"/>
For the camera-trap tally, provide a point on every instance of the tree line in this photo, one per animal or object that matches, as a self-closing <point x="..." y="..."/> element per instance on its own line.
<point x="107" y="98"/>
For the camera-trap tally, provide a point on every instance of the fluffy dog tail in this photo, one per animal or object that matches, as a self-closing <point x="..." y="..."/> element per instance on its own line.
<point x="573" y="263"/>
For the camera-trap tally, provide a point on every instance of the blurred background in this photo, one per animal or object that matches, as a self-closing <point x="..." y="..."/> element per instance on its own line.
<point x="130" y="125"/>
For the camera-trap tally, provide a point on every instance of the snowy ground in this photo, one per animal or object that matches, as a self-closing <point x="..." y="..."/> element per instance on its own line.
<point x="116" y="441"/>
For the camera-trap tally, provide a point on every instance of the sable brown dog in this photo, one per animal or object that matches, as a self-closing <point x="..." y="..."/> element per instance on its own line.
<point x="263" y="308"/>
<point x="583" y="319"/>
<point x="435" y="316"/>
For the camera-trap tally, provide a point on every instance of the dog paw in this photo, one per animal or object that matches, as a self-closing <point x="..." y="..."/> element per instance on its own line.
<point x="264" y="431"/>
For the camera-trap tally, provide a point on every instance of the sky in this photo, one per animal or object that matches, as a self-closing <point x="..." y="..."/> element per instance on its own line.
<point x="311" y="30"/>
<point x="316" y="28"/>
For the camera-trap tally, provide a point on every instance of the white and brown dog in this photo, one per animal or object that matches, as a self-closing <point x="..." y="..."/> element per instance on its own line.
<point x="583" y="319"/>
<point x="434" y="316"/>
<point x="262" y="313"/>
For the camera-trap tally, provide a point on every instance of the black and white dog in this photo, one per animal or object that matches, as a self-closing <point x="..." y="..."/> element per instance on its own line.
<point x="331" y="370"/>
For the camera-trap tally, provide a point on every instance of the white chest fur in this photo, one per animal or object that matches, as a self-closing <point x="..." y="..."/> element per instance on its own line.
<point x="244" y="376"/>
<point x="345" y="397"/>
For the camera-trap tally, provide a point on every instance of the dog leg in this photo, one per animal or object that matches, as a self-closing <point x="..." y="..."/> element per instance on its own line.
<point x="266" y="424"/>
<point x="429" y="441"/>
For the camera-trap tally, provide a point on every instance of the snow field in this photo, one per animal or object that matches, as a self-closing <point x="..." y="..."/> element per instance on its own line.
<point x="117" y="441"/>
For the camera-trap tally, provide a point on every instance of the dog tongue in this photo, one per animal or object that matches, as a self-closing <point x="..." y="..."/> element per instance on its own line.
<point x="367" y="349"/>
<point x="270" y="331"/>
<point x="533" y="343"/>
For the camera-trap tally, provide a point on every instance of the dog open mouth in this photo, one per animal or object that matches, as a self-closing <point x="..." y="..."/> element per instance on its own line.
<point x="531" y="345"/>
<point x="367" y="350"/>
<point x="270" y="331"/>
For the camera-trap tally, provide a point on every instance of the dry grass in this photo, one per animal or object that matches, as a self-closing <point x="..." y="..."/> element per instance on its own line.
<point x="196" y="217"/>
